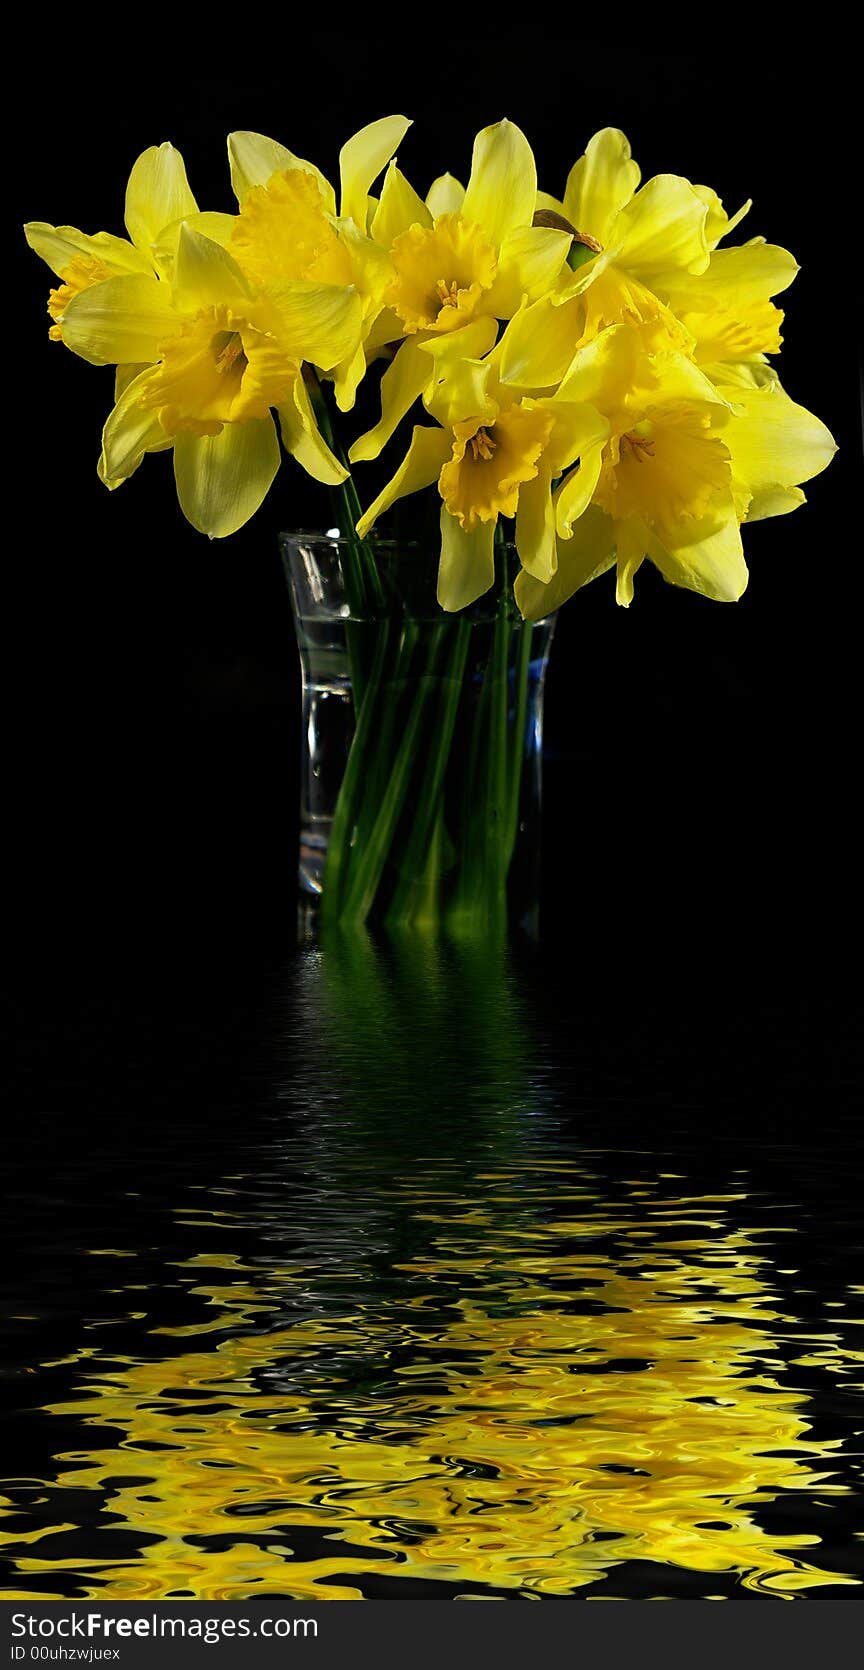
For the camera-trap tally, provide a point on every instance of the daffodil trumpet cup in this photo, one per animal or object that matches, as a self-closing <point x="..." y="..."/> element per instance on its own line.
<point x="420" y="786"/>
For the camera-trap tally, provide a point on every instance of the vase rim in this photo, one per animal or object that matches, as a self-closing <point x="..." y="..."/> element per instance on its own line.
<point x="319" y="536"/>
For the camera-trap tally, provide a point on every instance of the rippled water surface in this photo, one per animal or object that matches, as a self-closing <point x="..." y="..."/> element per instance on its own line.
<point x="419" y="1274"/>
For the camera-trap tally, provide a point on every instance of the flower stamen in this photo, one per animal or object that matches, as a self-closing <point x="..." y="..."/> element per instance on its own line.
<point x="448" y="293"/>
<point x="638" y="445"/>
<point x="228" y="351"/>
<point x="482" y="446"/>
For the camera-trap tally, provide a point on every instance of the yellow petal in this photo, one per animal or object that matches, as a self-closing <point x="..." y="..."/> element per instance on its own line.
<point x="538" y="345"/>
<point x="708" y="560"/>
<point x="457" y="386"/>
<point x="577" y="490"/>
<point x="131" y="431"/>
<point x="219" y="228"/>
<point x="422" y="464"/>
<point x="577" y="430"/>
<point x="774" y="501"/>
<point x="402" y="383"/>
<point x="590" y="552"/>
<point x="467" y="566"/>
<point x="124" y="375"/>
<point x="544" y="201"/>
<point x="158" y="193"/>
<point x="347" y="377"/>
<point x="632" y="539"/>
<point x="601" y="183"/>
<point x="718" y="224"/>
<point x="445" y="196"/>
<point x="399" y="208"/>
<point x="58" y="247"/>
<point x="303" y="439"/>
<point x="727" y="308"/>
<point x="749" y="272"/>
<point x="319" y="323"/>
<point x="222" y="479"/>
<point x="205" y="274"/>
<point x="535" y="526"/>
<point x="661" y="229"/>
<point x="773" y="442"/>
<point x="253" y="159"/>
<point x="361" y="160"/>
<point x="502" y="190"/>
<point x="122" y="320"/>
<point x="530" y="261"/>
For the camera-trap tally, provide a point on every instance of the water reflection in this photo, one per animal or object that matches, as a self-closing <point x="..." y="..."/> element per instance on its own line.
<point x="428" y="1345"/>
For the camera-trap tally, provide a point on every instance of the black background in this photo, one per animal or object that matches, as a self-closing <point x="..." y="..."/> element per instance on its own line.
<point x="702" y="758"/>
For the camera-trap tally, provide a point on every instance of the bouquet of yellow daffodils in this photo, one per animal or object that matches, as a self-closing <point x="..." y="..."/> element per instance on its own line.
<point x="593" y="369"/>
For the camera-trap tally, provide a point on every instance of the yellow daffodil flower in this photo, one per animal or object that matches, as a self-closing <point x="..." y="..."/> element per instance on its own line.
<point x="494" y="455"/>
<point x="685" y="463"/>
<point x="626" y="240"/>
<point x="157" y="196"/>
<point x="288" y="227"/>
<point x="727" y="310"/>
<point x="218" y="356"/>
<point x="464" y="255"/>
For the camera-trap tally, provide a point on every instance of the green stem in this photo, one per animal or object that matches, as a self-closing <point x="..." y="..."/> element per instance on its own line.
<point x="517" y="741"/>
<point x="372" y="849"/>
<point x="428" y="815"/>
<point x="498" y="775"/>
<point x="345" y="815"/>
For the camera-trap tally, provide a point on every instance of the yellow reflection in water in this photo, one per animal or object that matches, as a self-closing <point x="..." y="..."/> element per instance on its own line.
<point x="524" y="1444"/>
<point x="541" y="1383"/>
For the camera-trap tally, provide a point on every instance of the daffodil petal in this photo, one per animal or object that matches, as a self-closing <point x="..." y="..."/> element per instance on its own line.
<point x="422" y="464"/>
<point x="399" y="207"/>
<point x="529" y="262"/>
<point x="535" y="526"/>
<point x="58" y="247"/>
<point x="577" y="490"/>
<point x="222" y="479"/>
<point x="544" y="201"/>
<point x="361" y="160"/>
<point x="467" y="566"/>
<point x="600" y="184"/>
<point x="773" y="442"/>
<point x="631" y="539"/>
<point x="590" y="552"/>
<point x="130" y="432"/>
<point x="402" y="383"/>
<point x="445" y="196"/>
<point x="320" y="323"/>
<point x="538" y="345"/>
<point x="458" y="383"/>
<point x="347" y="377"/>
<point x="253" y="159"/>
<point x="303" y="439"/>
<point x="718" y="224"/>
<point x="205" y="275"/>
<point x="577" y="429"/>
<point x="774" y="501"/>
<point x="218" y="228"/>
<point x="710" y="560"/>
<point x="123" y="319"/>
<point x="158" y="193"/>
<point x="502" y="190"/>
<point x="662" y="229"/>
<point x="124" y="375"/>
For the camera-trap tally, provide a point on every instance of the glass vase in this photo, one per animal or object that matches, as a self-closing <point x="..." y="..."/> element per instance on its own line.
<point x="421" y="743"/>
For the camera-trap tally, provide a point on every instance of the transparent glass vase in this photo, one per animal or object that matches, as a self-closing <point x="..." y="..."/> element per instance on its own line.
<point x="420" y="780"/>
